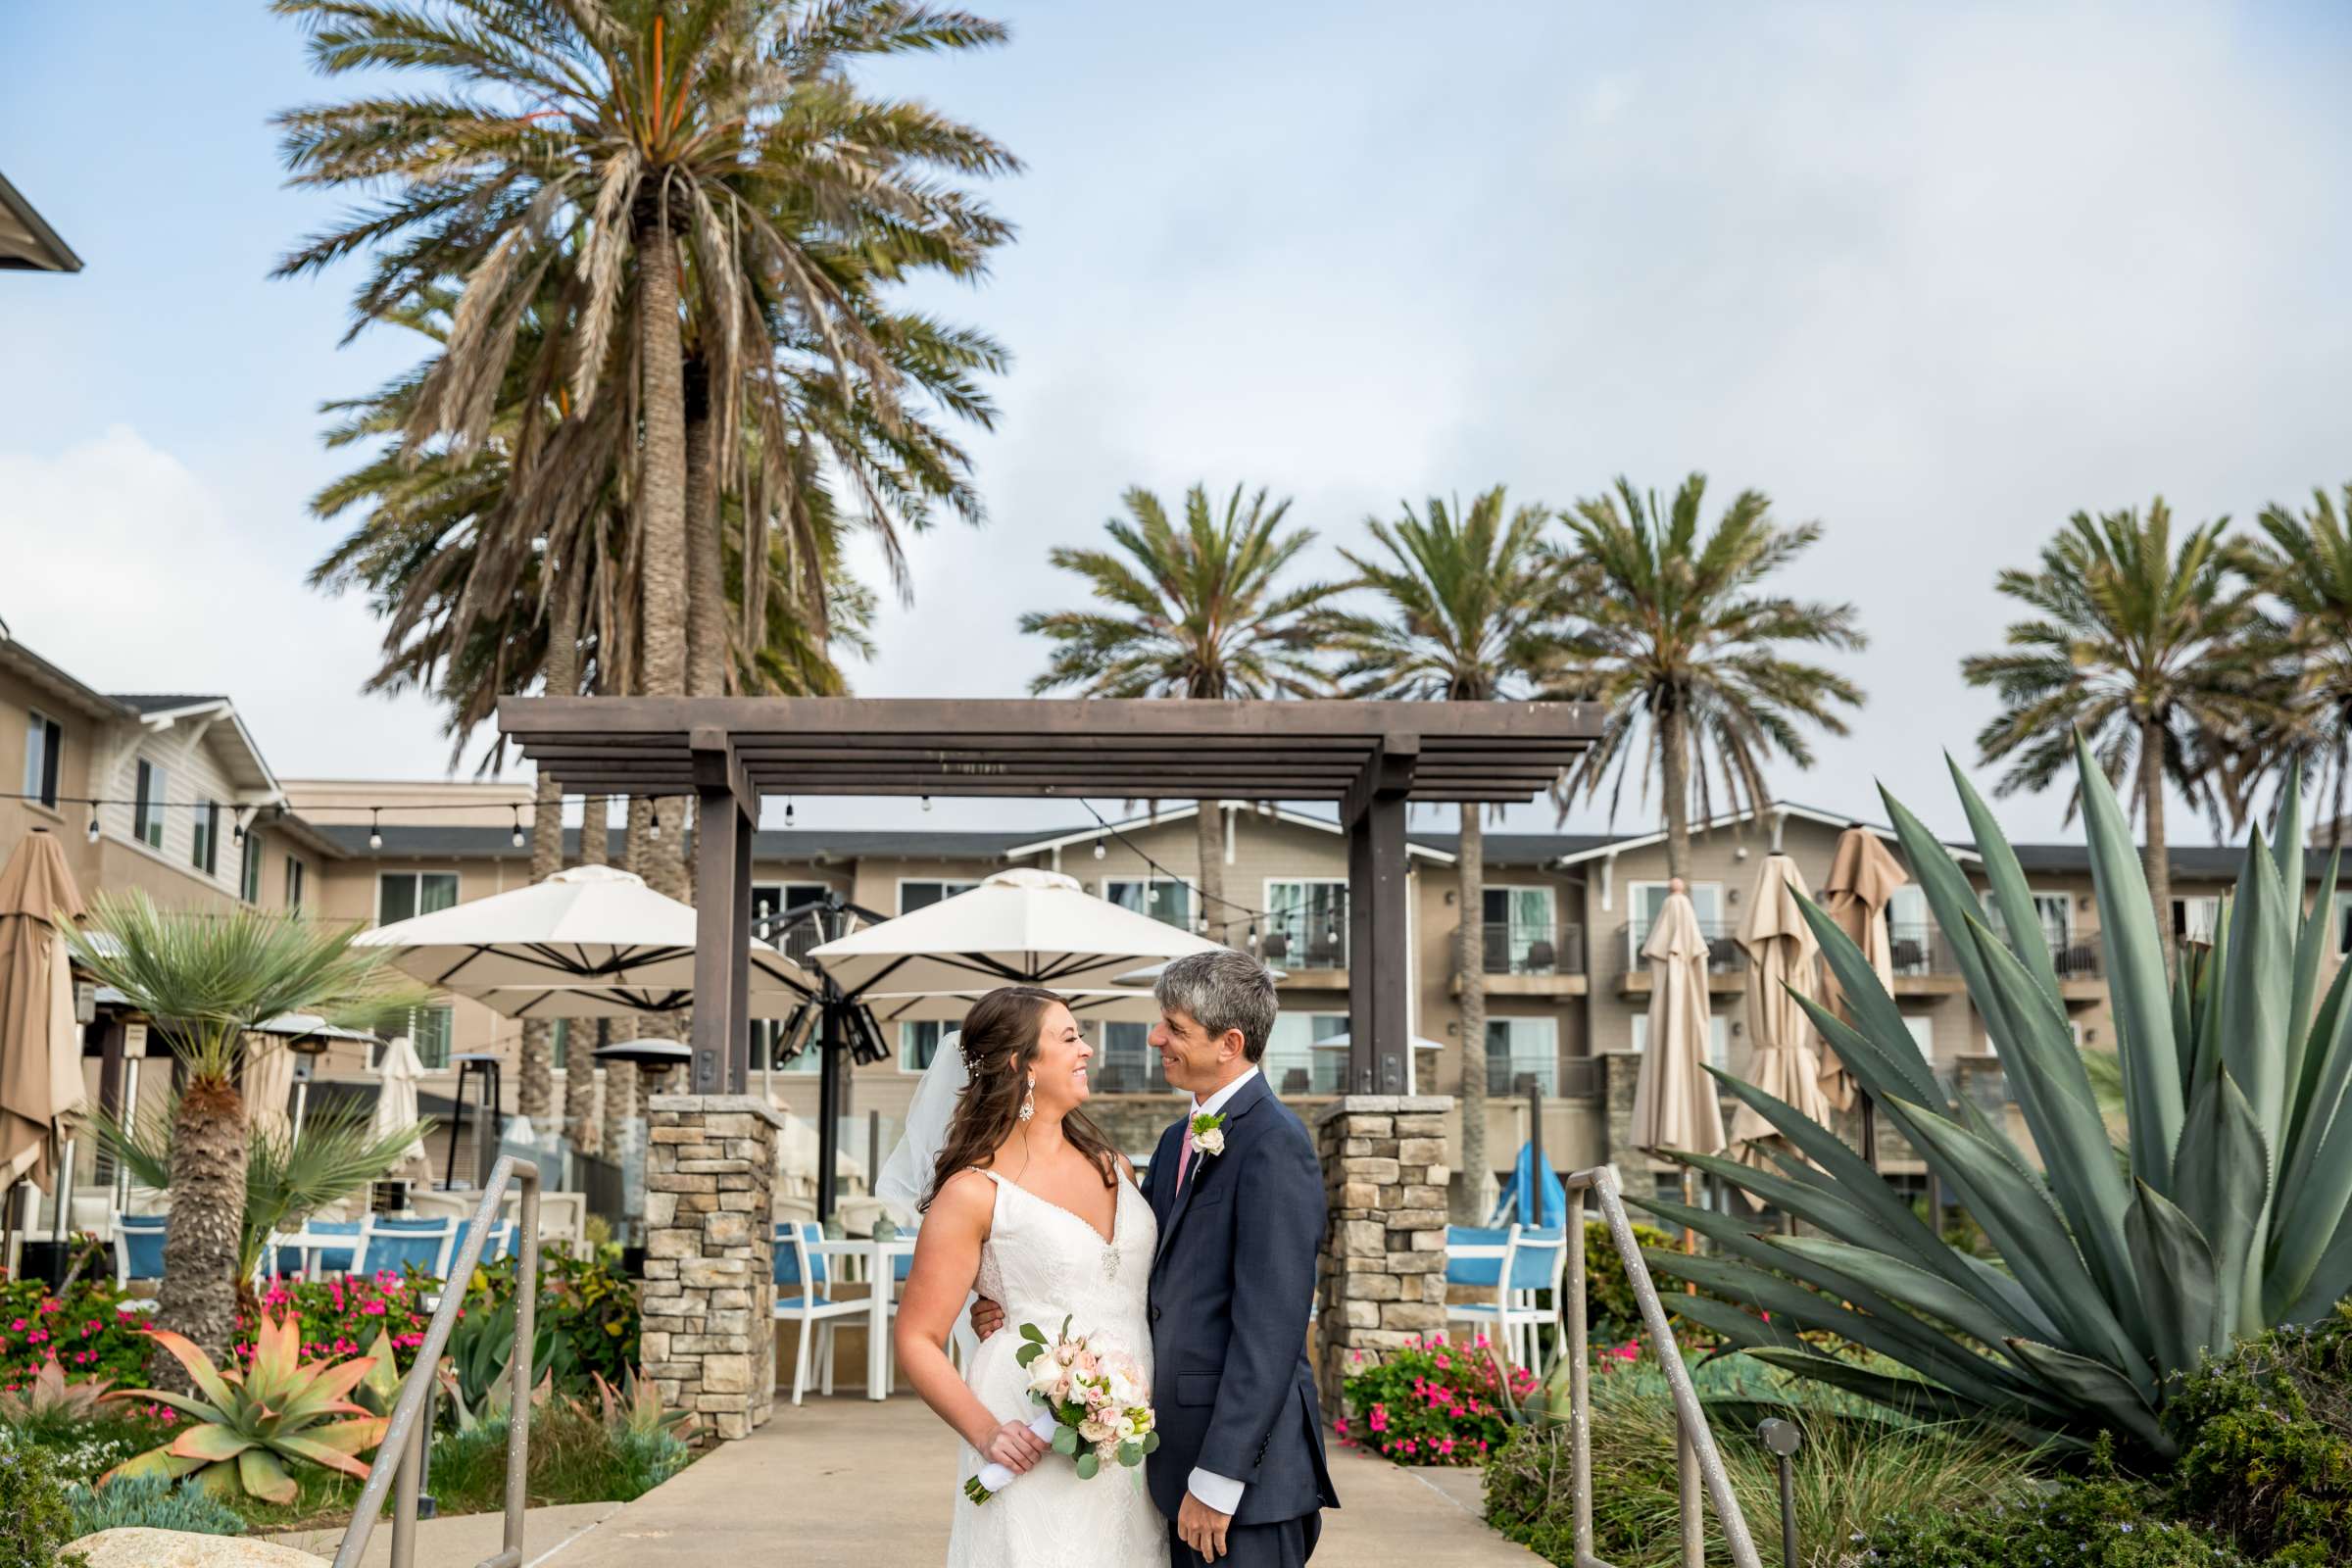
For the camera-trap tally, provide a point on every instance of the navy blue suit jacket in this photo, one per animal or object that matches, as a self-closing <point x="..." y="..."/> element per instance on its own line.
<point x="1230" y="1290"/>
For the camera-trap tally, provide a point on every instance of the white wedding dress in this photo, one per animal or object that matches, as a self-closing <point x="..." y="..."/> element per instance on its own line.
<point x="1044" y="1263"/>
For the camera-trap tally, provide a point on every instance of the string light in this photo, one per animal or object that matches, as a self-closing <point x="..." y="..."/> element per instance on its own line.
<point x="376" y="827"/>
<point x="516" y="838"/>
<point x="93" y="832"/>
<point x="926" y="802"/>
<point x="1099" y="851"/>
<point x="787" y="813"/>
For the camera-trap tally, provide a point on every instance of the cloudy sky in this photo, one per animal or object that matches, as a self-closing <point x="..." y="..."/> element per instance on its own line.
<point x="1932" y="276"/>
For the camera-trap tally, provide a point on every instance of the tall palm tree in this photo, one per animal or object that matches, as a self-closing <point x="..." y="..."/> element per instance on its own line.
<point x="206" y="980"/>
<point x="1680" y="639"/>
<point x="1197" y="612"/>
<point x="2148" y="649"/>
<point x="1470" y="606"/>
<point x="2305" y="564"/>
<point x="653" y="154"/>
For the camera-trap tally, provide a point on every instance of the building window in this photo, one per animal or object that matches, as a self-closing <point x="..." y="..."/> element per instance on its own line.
<point x="1522" y="930"/>
<point x="1524" y="1050"/>
<point x="1298" y="1062"/>
<point x="294" y="877"/>
<point x="1127" y="1064"/>
<point x="1306" y="924"/>
<point x="2194" y="919"/>
<point x="204" y="848"/>
<point x="147" y="809"/>
<point x="430" y="1030"/>
<point x="2055" y="911"/>
<point x="772" y="901"/>
<point x="913" y="896"/>
<point x="1719" y="1038"/>
<point x="768" y="1038"/>
<point x="1923" y="1034"/>
<point x="1163" y="898"/>
<point x="249" y="872"/>
<point x="44" y="751"/>
<point x="919" y="1044"/>
<point x="404" y="895"/>
<point x="1646" y="899"/>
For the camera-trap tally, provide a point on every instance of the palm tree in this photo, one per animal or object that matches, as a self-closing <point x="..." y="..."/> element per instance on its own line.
<point x="207" y="979"/>
<point x="2306" y="567"/>
<point x="1197" y="613"/>
<point x="1679" y="638"/>
<point x="2148" y="651"/>
<point x="1470" y="605"/>
<point x="645" y="155"/>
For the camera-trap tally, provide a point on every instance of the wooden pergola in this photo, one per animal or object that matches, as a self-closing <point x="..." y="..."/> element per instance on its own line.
<point x="1373" y="759"/>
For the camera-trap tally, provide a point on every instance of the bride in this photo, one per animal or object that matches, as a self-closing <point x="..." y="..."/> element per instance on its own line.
<point x="1028" y="1203"/>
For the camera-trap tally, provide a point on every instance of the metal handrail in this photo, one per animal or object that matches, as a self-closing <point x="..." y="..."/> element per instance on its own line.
<point x="1695" y="1457"/>
<point x="410" y="1432"/>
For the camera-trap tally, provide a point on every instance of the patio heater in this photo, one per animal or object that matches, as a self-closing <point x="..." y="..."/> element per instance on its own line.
<point x="310" y="1047"/>
<point x="842" y="1029"/>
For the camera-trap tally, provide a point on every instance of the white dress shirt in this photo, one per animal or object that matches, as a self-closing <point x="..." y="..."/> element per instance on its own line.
<point x="1221" y="1493"/>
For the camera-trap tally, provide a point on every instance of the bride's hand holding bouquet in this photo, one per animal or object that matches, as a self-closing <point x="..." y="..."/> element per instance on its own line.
<point x="1095" y="1409"/>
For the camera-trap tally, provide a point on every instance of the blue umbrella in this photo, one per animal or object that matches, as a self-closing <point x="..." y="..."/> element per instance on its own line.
<point x="1520" y="1196"/>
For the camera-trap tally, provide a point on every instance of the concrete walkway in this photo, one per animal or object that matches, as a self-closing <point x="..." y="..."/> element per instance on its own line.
<point x="463" y="1539"/>
<point x="845" y="1480"/>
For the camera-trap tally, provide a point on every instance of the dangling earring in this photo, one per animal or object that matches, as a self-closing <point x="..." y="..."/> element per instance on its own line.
<point x="1029" y="1099"/>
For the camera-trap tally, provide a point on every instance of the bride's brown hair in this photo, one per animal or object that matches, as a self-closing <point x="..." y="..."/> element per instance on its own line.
<point x="1000" y="1044"/>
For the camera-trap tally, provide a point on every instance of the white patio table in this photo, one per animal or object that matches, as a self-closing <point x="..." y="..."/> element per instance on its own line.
<point x="878" y="1261"/>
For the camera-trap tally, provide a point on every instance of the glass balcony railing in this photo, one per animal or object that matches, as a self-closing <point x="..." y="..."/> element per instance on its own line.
<point x="1312" y="938"/>
<point x="1515" y="947"/>
<point x="1725" y="956"/>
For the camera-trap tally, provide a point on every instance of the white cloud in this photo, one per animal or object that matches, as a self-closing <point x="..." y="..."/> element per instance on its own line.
<point x="133" y="572"/>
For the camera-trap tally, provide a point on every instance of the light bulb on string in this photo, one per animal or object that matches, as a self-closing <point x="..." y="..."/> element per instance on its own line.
<point x="1099" y="851"/>
<point x="91" y="833"/>
<point x="376" y="827"/>
<point x="926" y="802"/>
<point x="516" y="838"/>
<point x="787" y="813"/>
<point x="1254" y="936"/>
<point x="653" y="821"/>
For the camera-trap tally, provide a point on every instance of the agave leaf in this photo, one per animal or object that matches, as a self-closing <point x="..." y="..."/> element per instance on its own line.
<point x="2313" y="1204"/>
<point x="2313" y="936"/>
<point x="1951" y="898"/>
<point x="2257" y="987"/>
<point x="265" y="1477"/>
<point x="1908" y="1396"/>
<point x="209" y="1443"/>
<point x="2317" y="1090"/>
<point x="178" y="1402"/>
<point x="2175" y="1265"/>
<point x="1843" y="1166"/>
<point x="2223" y="1180"/>
<point x="1821" y="1205"/>
<point x="2329" y="1283"/>
<point x="2063" y="1115"/>
<point x="201" y="1370"/>
<point x="2012" y="895"/>
<point x="1743" y="1331"/>
<point x="1913" y="1287"/>
<point x="2136" y="984"/>
<point x="2027" y="1228"/>
<point x="2286" y="847"/>
<point x="2100" y="1386"/>
<point x="1877" y="1019"/>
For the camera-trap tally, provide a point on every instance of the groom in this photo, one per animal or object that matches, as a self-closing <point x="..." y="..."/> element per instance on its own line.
<point x="1239" y="1469"/>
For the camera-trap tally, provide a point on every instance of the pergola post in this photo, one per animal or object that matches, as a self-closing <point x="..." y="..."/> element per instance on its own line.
<point x="1380" y="1028"/>
<point x="727" y="815"/>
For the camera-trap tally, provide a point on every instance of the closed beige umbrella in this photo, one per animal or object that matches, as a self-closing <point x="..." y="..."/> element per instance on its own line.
<point x="396" y="1105"/>
<point x="1784" y="959"/>
<point x="1862" y="879"/>
<point x="40" y="1046"/>
<point x="267" y="1087"/>
<point x="1675" y="1104"/>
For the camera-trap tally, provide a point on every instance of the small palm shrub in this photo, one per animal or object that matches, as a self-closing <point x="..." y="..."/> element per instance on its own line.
<point x="151" y="1503"/>
<point x="2098" y="1523"/>
<point x="2225" y="1214"/>
<point x="35" y="1521"/>
<point x="2266" y="1443"/>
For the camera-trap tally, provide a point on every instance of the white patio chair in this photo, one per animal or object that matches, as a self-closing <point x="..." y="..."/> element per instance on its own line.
<point x="805" y="1274"/>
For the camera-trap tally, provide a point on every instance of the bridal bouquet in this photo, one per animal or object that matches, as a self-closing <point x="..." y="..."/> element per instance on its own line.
<point x="1097" y="1408"/>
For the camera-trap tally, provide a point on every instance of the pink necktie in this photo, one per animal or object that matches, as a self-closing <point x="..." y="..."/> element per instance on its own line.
<point x="1184" y="1157"/>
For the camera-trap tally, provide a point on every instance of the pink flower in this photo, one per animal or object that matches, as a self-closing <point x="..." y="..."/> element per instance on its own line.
<point x="1380" y="1418"/>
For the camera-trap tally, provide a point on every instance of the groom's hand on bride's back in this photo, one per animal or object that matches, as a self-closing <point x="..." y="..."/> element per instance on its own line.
<point x="986" y="1318"/>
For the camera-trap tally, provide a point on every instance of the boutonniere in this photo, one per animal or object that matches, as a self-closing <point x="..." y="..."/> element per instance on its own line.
<point x="1209" y="1133"/>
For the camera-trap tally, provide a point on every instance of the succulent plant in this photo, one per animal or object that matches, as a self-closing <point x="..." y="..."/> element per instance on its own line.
<point x="2223" y="1215"/>
<point x="251" y="1422"/>
<point x="50" y="1398"/>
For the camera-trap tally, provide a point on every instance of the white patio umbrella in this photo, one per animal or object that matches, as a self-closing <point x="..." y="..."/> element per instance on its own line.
<point x="396" y="1102"/>
<point x="1784" y="961"/>
<point x="1120" y="1004"/>
<point x="588" y="942"/>
<point x="1863" y="877"/>
<point x="1020" y="927"/>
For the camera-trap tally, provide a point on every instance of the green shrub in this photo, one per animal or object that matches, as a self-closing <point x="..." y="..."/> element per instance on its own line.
<point x="1852" y="1471"/>
<point x="2102" y="1523"/>
<point x="2265" y="1442"/>
<point x="587" y="1315"/>
<point x="90" y="1330"/>
<point x="151" y="1503"/>
<point x="1612" y="1315"/>
<point x="1432" y="1402"/>
<point x="35" y="1522"/>
<point x="575" y="1457"/>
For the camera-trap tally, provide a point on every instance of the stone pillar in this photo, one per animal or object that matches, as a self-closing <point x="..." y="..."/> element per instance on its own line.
<point x="709" y="1338"/>
<point x="1382" y="1274"/>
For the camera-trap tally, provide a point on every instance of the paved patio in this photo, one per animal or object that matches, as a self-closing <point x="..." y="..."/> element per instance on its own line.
<point x="848" y="1481"/>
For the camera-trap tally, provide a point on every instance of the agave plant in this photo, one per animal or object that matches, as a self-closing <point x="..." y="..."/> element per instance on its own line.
<point x="635" y="1408"/>
<point x="2221" y="1214"/>
<point x="49" y="1399"/>
<point x="251" y="1422"/>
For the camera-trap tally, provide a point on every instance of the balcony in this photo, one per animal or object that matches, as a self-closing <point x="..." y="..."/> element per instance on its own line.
<point x="1313" y="938"/>
<point x="1530" y="958"/>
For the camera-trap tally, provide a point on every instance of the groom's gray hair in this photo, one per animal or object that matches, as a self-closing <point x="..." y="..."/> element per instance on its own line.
<point x="1222" y="990"/>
